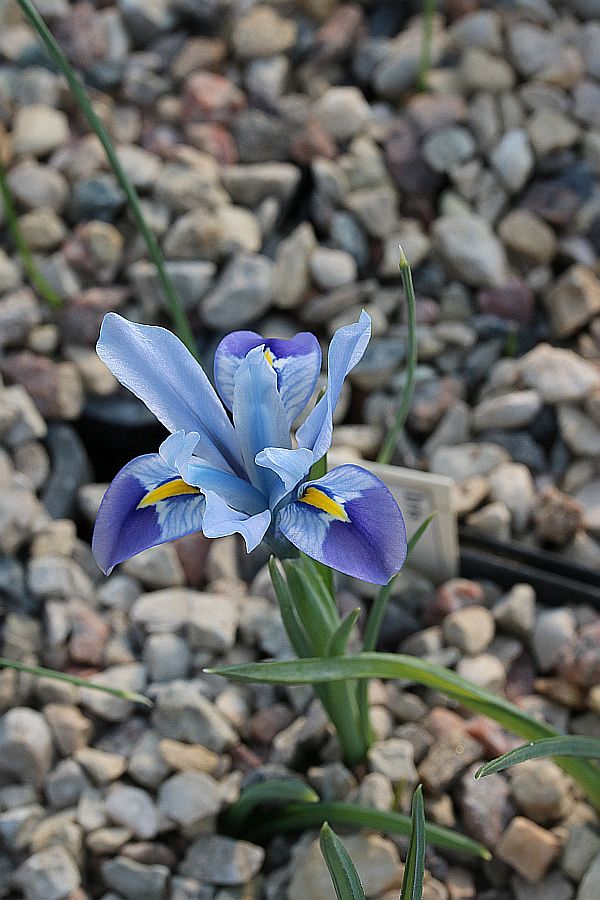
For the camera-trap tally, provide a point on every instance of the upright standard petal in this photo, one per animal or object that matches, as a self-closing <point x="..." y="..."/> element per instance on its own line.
<point x="297" y="363"/>
<point x="349" y="521"/>
<point x="345" y="351"/>
<point x="220" y="520"/>
<point x="154" y="364"/>
<point x="259" y="417"/>
<point x="146" y="504"/>
<point x="290" y="466"/>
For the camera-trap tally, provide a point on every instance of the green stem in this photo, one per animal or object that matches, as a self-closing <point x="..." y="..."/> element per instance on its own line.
<point x="180" y="321"/>
<point x="389" y="444"/>
<point x="36" y="279"/>
<point x="429" y="7"/>
<point x="41" y="672"/>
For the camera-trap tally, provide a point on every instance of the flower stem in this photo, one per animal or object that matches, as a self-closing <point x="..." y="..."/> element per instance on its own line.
<point x="389" y="444"/>
<point x="429" y="7"/>
<point x="36" y="279"/>
<point x="178" y="316"/>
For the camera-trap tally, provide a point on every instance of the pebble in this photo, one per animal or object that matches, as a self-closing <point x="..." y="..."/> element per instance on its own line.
<point x="581" y="848"/>
<point x="341" y="112"/>
<point x="375" y="858"/>
<point x="528" y="849"/>
<point x="484" y="670"/>
<point x="513" y="160"/>
<point x="242" y="294"/>
<point x="513" y="410"/>
<point x="449" y="148"/>
<point x="183" y="714"/>
<point x="50" y="874"/>
<point x="393" y="758"/>
<point x="553" y="629"/>
<point x="291" y="277"/>
<point x="25" y="745"/>
<point x="331" y="269"/>
<point x="590" y="883"/>
<point x="471" y="249"/>
<point x="541" y="791"/>
<point x="515" y="612"/>
<point x="512" y="484"/>
<point x="133" y="808"/>
<point x="580" y="433"/>
<point x="191" y="799"/>
<point x="559" y="376"/>
<point x="39" y="129"/>
<point x="222" y="860"/>
<point x="135" y="881"/>
<point x="485" y="815"/>
<point x="573" y="300"/>
<point x="470" y="629"/>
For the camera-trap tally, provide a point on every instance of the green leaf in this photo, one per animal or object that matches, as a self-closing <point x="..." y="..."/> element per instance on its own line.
<point x="272" y="792"/>
<point x="414" y="868"/>
<point x="341" y="868"/>
<point x="178" y="314"/>
<point x="338" y="642"/>
<point x="389" y="445"/>
<point x="571" y="745"/>
<point x="300" y="816"/>
<point x="414" y="540"/>
<point x="389" y="665"/>
<point x="41" y="672"/>
<point x="291" y="623"/>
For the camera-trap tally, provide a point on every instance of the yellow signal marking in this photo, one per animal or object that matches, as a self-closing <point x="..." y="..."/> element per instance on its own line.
<point x="319" y="499"/>
<point x="269" y="356"/>
<point x="175" y="488"/>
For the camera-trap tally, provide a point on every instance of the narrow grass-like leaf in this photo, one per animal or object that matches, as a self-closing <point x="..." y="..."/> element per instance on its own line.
<point x="338" y="700"/>
<point x="338" y="642"/>
<point x="34" y="276"/>
<point x="389" y="444"/>
<point x="42" y="672"/>
<point x="299" y="816"/>
<point x="429" y="8"/>
<point x="272" y="792"/>
<point x="389" y="665"/>
<point x="414" y="867"/>
<point x="318" y="619"/>
<point x="571" y="745"/>
<point x="345" y="878"/>
<point x="373" y="629"/>
<point x="180" y="321"/>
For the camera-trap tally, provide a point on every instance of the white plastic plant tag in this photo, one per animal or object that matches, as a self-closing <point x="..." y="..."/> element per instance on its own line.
<point x="418" y="495"/>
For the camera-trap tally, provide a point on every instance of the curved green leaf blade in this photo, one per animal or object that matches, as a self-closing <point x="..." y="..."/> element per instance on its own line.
<point x="299" y="816"/>
<point x="414" y="868"/>
<point x="338" y="642"/>
<point x="272" y="792"/>
<point x="345" y="878"/>
<point x="42" y="672"/>
<point x="390" y="665"/>
<point x="571" y="745"/>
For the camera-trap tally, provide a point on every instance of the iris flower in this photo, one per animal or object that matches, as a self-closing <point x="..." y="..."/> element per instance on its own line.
<point x="220" y="473"/>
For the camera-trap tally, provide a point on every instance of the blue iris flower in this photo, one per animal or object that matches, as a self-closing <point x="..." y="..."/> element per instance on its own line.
<point x="220" y="473"/>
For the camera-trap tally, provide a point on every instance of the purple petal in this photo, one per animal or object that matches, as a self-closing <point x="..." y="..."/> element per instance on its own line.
<point x="356" y="528"/>
<point x="297" y="363"/>
<point x="154" y="364"/>
<point x="220" y="520"/>
<point x="123" y="528"/>
<point x="345" y="351"/>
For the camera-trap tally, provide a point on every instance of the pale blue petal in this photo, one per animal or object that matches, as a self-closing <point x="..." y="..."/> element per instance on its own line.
<point x="259" y="417"/>
<point x="177" y="449"/>
<point x="122" y="529"/>
<point x="220" y="520"/>
<point x="345" y="351"/>
<point x="289" y="465"/>
<point x="370" y="544"/>
<point x="297" y="363"/>
<point x="154" y="364"/>
<point x="238" y="492"/>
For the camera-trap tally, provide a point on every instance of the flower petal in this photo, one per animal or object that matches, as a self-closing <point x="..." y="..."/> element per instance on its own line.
<point x="220" y="520"/>
<point x="289" y="465"/>
<point x="154" y="364"/>
<point x="349" y="521"/>
<point x="259" y="416"/>
<point x="345" y="351"/>
<point x="146" y="504"/>
<point x="297" y="363"/>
